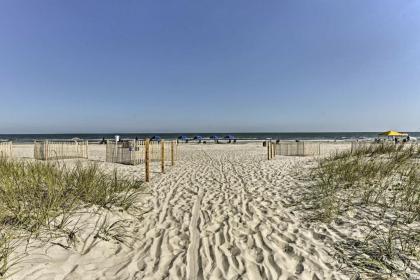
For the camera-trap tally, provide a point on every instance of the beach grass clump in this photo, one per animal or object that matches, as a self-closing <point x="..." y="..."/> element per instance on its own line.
<point x="38" y="197"/>
<point x="5" y="252"/>
<point x="381" y="183"/>
<point x="38" y="194"/>
<point x="8" y="244"/>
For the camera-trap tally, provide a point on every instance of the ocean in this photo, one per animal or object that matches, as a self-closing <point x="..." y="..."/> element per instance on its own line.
<point x="28" y="138"/>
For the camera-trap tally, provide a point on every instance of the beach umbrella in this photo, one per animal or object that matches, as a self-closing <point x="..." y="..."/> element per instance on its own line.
<point x="182" y="137"/>
<point x="230" y="137"/>
<point x="393" y="133"/>
<point x="155" y="138"/>
<point x="198" y="137"/>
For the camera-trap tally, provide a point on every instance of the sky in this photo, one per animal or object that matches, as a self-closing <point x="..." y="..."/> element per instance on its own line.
<point x="85" y="66"/>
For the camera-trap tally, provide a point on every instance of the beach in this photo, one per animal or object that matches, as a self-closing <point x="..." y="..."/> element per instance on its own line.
<point x="190" y="140"/>
<point x="222" y="212"/>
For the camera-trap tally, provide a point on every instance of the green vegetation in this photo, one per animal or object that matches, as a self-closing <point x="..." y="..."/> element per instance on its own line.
<point x="38" y="196"/>
<point x="381" y="183"/>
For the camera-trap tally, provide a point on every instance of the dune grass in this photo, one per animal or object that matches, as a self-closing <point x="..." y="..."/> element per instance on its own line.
<point x="37" y="196"/>
<point x="381" y="182"/>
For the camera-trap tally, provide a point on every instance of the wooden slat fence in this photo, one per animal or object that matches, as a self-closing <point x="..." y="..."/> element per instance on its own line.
<point x="132" y="152"/>
<point x="6" y="149"/>
<point x="155" y="154"/>
<point x="125" y="152"/>
<point x="356" y="145"/>
<point x="365" y="145"/>
<point x="301" y="148"/>
<point x="67" y="149"/>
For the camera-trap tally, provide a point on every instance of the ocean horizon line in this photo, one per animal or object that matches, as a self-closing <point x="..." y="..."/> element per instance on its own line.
<point x="204" y="132"/>
<point x="28" y="137"/>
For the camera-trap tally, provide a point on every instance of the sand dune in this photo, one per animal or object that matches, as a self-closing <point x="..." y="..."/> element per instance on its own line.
<point x="221" y="213"/>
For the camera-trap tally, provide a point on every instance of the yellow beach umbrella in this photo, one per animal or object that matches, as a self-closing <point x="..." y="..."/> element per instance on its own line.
<point x="392" y="133"/>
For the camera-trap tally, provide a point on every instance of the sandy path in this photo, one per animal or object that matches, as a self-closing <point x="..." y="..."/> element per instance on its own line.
<point x="219" y="214"/>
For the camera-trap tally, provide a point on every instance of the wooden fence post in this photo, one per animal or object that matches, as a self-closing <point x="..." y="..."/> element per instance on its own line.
<point x="172" y="153"/>
<point x="271" y="153"/>
<point x="268" y="150"/>
<point x="275" y="149"/>
<point x="46" y="149"/>
<point x="303" y="148"/>
<point x="147" y="160"/>
<point x="162" y="156"/>
<point x="272" y="150"/>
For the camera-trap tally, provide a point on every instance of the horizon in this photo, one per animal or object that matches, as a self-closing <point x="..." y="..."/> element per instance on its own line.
<point x="313" y="66"/>
<point x="207" y="132"/>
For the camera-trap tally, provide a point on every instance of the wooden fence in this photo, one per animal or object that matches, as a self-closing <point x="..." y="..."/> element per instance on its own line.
<point x="145" y="152"/>
<point x="289" y="148"/>
<point x="132" y="152"/>
<point x="334" y="147"/>
<point x="47" y="149"/>
<point x="323" y="148"/>
<point x="125" y="152"/>
<point x="6" y="149"/>
<point x="356" y="145"/>
<point x="300" y="148"/>
<point x="365" y="145"/>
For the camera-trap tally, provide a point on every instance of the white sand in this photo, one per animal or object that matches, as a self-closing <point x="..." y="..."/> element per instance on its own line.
<point x="221" y="213"/>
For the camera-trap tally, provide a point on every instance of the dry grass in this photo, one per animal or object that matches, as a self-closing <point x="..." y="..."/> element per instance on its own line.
<point x="37" y="197"/>
<point x="382" y="184"/>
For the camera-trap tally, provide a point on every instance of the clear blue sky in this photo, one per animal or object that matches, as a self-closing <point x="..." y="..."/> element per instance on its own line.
<point x="236" y="65"/>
